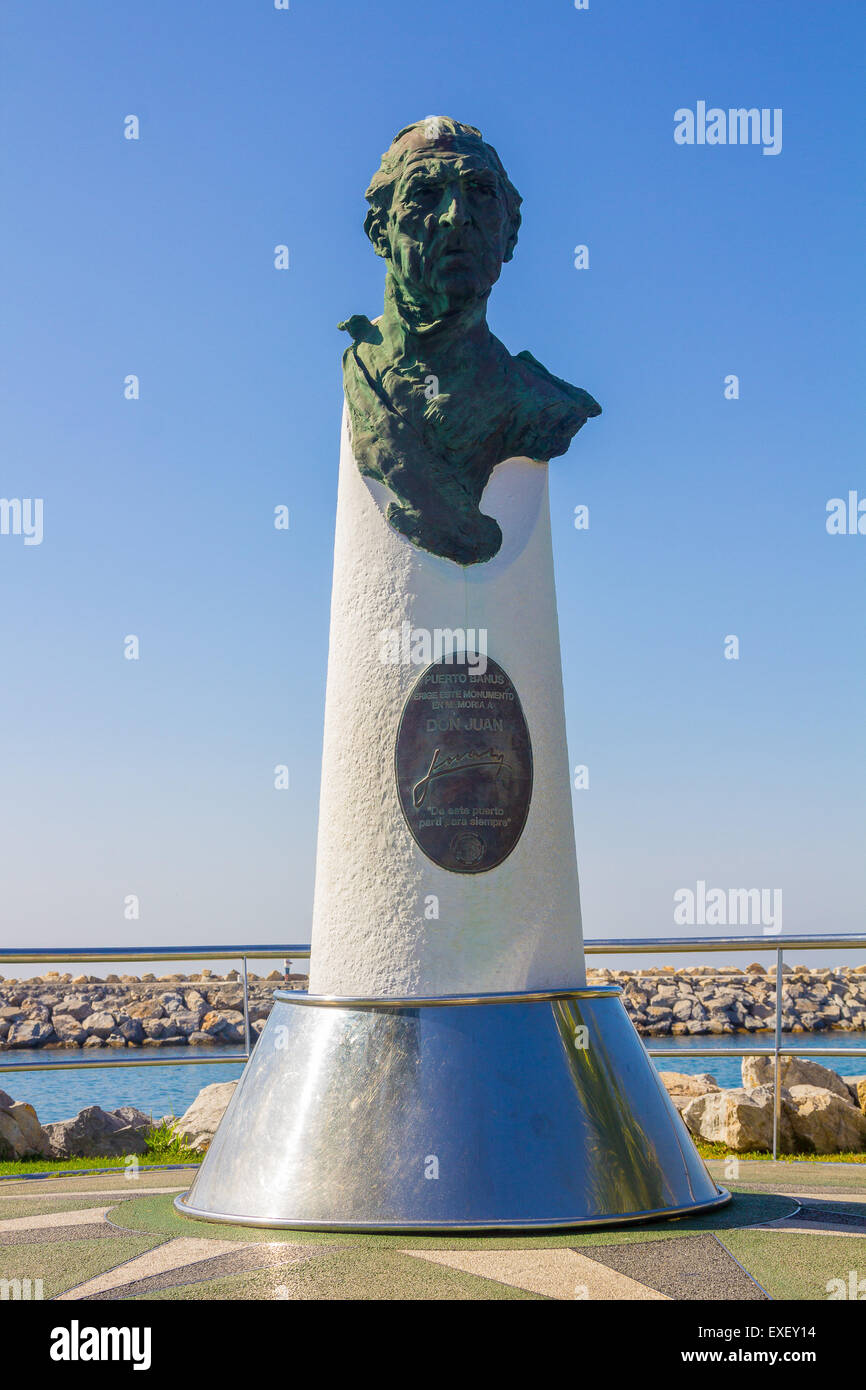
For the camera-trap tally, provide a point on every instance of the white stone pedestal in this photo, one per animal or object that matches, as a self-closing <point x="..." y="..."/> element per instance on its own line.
<point x="375" y="929"/>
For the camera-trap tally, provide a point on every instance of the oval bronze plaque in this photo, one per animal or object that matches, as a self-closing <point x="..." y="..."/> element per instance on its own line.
<point x="464" y="765"/>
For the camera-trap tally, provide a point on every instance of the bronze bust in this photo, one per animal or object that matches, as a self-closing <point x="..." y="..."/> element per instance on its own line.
<point x="435" y="400"/>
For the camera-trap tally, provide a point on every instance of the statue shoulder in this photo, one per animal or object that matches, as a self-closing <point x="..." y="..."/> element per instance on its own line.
<point x="550" y="410"/>
<point x="536" y="372"/>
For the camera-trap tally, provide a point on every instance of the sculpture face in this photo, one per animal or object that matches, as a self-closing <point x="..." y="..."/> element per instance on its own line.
<point x="444" y="215"/>
<point x="447" y="230"/>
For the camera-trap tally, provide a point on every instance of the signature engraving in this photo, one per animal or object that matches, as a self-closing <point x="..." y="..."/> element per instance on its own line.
<point x="457" y="762"/>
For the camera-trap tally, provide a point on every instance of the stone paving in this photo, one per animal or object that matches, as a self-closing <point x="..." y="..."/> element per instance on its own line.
<point x="790" y="1232"/>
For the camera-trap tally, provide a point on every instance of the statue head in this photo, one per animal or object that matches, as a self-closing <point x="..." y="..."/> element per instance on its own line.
<point x="443" y="214"/>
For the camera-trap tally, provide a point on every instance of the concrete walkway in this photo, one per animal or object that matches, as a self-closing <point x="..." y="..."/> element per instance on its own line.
<point x="792" y="1231"/>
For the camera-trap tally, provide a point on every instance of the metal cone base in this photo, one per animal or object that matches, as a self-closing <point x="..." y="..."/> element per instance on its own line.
<point x="496" y="1112"/>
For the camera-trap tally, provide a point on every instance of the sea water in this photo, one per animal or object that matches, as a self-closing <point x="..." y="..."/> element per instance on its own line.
<point x="169" y="1090"/>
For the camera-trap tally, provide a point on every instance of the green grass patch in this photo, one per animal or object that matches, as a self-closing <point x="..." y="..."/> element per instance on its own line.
<point x="803" y="1267"/>
<point x="163" y="1146"/>
<point x="720" y="1151"/>
<point x="22" y="1167"/>
<point x="63" y="1264"/>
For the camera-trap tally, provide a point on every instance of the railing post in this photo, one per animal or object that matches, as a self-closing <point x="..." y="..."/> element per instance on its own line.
<point x="246" y="1009"/>
<point x="777" y="1100"/>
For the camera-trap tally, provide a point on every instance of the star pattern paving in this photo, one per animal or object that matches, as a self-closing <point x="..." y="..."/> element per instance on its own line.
<point x="790" y="1232"/>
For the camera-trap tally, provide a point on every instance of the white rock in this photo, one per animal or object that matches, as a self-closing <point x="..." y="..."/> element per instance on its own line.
<point x="21" y="1134"/>
<point x="856" y="1087"/>
<point x="199" y="1123"/>
<point x="825" y="1122"/>
<point x="680" y="1084"/>
<point x="740" y="1119"/>
<point x="793" y="1071"/>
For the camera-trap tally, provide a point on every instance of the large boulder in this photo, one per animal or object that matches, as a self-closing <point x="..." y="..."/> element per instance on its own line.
<point x="226" y="1024"/>
<point x="678" y="1083"/>
<point x="740" y="1119"/>
<point x="11" y="1138"/>
<point x="76" y="1006"/>
<point x="229" y="999"/>
<point x="21" y="1135"/>
<point x="131" y="1031"/>
<point x="68" y="1029"/>
<point x="30" y="1033"/>
<point x="198" y="1125"/>
<point x="825" y="1123"/>
<point x="35" y="1011"/>
<point x="184" y="1021"/>
<point x="34" y="1135"/>
<point x="793" y="1071"/>
<point x="95" y="1133"/>
<point x="857" y="1090"/>
<point x="99" y="1025"/>
<point x="131" y="1115"/>
<point x="171" y="1002"/>
<point x="146" y="1008"/>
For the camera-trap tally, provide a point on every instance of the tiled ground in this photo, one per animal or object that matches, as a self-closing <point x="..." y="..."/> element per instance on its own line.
<point x="789" y="1232"/>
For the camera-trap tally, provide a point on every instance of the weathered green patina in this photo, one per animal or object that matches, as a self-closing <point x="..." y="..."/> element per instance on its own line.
<point x="435" y="400"/>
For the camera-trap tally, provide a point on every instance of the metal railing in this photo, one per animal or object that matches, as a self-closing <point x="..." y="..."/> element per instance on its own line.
<point x="778" y="944"/>
<point x="92" y="955"/>
<point x="614" y="946"/>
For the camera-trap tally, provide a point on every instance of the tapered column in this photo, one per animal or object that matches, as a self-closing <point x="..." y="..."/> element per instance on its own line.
<point x="387" y="919"/>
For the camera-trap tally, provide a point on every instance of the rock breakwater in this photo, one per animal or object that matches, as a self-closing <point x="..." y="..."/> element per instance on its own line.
<point x="55" y="1011"/>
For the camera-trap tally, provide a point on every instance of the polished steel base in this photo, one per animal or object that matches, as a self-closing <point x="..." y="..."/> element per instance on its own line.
<point x="495" y="1112"/>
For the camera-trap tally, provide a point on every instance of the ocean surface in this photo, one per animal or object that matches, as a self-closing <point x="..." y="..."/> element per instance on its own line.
<point x="168" y="1090"/>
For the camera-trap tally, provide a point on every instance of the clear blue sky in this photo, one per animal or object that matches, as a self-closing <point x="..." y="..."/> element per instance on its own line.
<point x="707" y="516"/>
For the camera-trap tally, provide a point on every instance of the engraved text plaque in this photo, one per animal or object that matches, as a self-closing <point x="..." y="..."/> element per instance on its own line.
<point x="464" y="765"/>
